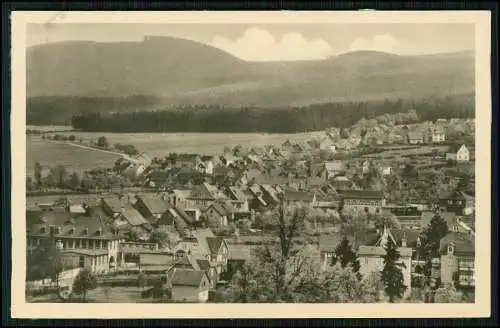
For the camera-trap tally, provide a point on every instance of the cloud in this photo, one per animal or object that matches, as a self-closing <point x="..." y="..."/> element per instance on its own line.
<point x="259" y="45"/>
<point x="383" y="42"/>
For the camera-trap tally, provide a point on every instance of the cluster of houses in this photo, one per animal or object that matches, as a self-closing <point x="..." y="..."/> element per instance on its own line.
<point x="198" y="198"/>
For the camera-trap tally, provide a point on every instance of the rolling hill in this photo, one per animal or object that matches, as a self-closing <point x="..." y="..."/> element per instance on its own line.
<point x="177" y="71"/>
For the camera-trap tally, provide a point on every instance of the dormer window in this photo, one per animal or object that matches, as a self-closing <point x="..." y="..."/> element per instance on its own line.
<point x="43" y="229"/>
<point x="57" y="230"/>
<point x="451" y="249"/>
<point x="71" y="230"/>
<point x="85" y="231"/>
<point x="99" y="231"/>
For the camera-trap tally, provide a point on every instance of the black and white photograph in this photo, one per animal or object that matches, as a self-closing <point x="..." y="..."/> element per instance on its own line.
<point x="227" y="161"/>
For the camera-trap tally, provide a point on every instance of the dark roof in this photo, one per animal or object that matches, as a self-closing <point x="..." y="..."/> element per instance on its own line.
<point x="69" y="224"/>
<point x="304" y="196"/>
<point x="454" y="148"/>
<point x="214" y="244"/>
<point x="463" y="245"/>
<point x="158" y="176"/>
<point x="221" y="207"/>
<point x="410" y="235"/>
<point x="364" y="194"/>
<point x="167" y="218"/>
<point x="154" y="204"/>
<point x="203" y="264"/>
<point x="114" y="203"/>
<point x="206" y="158"/>
<point x="201" y="192"/>
<point x="182" y="277"/>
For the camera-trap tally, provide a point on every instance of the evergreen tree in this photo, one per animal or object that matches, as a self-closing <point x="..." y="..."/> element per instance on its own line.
<point x="392" y="274"/>
<point x="347" y="256"/>
<point x="74" y="181"/>
<point x="437" y="229"/>
<point x="38" y="174"/>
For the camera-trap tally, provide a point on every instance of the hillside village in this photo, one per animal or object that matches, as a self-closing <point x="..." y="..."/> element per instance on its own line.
<point x="185" y="227"/>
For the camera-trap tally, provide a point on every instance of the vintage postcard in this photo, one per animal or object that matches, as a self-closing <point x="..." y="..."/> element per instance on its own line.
<point x="251" y="164"/>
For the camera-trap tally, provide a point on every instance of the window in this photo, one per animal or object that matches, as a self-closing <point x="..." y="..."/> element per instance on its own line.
<point x="42" y="230"/>
<point x="82" y="261"/>
<point x="56" y="230"/>
<point x="451" y="249"/>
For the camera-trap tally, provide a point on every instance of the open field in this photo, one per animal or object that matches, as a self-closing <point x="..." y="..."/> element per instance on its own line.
<point x="154" y="144"/>
<point x="73" y="158"/>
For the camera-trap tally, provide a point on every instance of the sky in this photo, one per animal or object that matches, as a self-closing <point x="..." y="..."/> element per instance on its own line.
<point x="276" y="42"/>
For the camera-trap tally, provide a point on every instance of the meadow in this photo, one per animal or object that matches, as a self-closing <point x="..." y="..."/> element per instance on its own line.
<point x="154" y="144"/>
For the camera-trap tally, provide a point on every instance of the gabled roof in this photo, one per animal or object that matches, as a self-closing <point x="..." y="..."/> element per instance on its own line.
<point x="214" y="244"/>
<point x="455" y="148"/>
<point x="380" y="251"/>
<point x="237" y="194"/>
<point x="154" y="204"/>
<point x="133" y="217"/>
<point x="182" y="277"/>
<point x="463" y="245"/>
<point x="114" y="203"/>
<point x="220" y="207"/>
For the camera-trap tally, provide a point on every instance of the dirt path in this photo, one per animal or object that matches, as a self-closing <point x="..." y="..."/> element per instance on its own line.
<point x="74" y="144"/>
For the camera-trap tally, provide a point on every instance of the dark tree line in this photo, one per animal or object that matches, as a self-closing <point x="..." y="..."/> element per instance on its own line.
<point x="277" y="120"/>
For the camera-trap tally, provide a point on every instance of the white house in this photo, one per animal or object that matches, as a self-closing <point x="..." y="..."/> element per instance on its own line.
<point x="458" y="153"/>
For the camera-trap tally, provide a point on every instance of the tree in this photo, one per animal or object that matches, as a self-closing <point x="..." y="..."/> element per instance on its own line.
<point x="72" y="138"/>
<point x="345" y="255"/>
<point x="74" y="181"/>
<point x="84" y="281"/>
<point x="159" y="237"/>
<point x="58" y="175"/>
<point x="45" y="262"/>
<point x="432" y="235"/>
<point x="38" y="174"/>
<point x="102" y="142"/>
<point x="447" y="294"/>
<point x="353" y="222"/>
<point x="392" y="274"/>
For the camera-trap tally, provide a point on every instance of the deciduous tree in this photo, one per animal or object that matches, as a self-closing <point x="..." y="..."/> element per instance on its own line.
<point x="84" y="281"/>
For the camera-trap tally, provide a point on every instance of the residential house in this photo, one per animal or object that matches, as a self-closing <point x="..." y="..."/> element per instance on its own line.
<point x="341" y="182"/>
<point x="437" y="134"/>
<point x="332" y="169"/>
<point x="202" y="195"/>
<point x="179" y="197"/>
<point x="415" y="138"/>
<point x="176" y="217"/>
<point x="129" y="251"/>
<point x="151" y="207"/>
<point x="229" y="159"/>
<point x="258" y="202"/>
<point x="371" y="258"/>
<point x="219" y="211"/>
<point x="158" y="178"/>
<point x="206" y="165"/>
<point x="299" y="198"/>
<point x="73" y="231"/>
<point x="457" y="252"/>
<point x="131" y="219"/>
<point x="368" y="200"/>
<point x="458" y="153"/>
<point x="250" y="175"/>
<point x="238" y="199"/>
<point x="458" y="202"/>
<point x="187" y="160"/>
<point x="97" y="260"/>
<point x="385" y="169"/>
<point x="365" y="166"/>
<point x="189" y="285"/>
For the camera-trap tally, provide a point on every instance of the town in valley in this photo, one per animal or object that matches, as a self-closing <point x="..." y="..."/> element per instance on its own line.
<point x="386" y="206"/>
<point x="279" y="163"/>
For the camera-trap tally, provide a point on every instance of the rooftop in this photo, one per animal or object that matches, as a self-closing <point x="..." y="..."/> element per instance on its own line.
<point x="183" y="277"/>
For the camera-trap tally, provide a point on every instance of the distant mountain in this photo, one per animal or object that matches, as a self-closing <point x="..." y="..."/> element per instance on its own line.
<point x="186" y="72"/>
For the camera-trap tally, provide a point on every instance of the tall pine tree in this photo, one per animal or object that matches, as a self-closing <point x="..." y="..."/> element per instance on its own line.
<point x="437" y="229"/>
<point x="347" y="256"/>
<point x="392" y="274"/>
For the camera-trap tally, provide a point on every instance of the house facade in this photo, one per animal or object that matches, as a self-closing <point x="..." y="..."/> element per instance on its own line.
<point x="86" y="233"/>
<point x="457" y="252"/>
<point x="458" y="154"/>
<point x="191" y="286"/>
